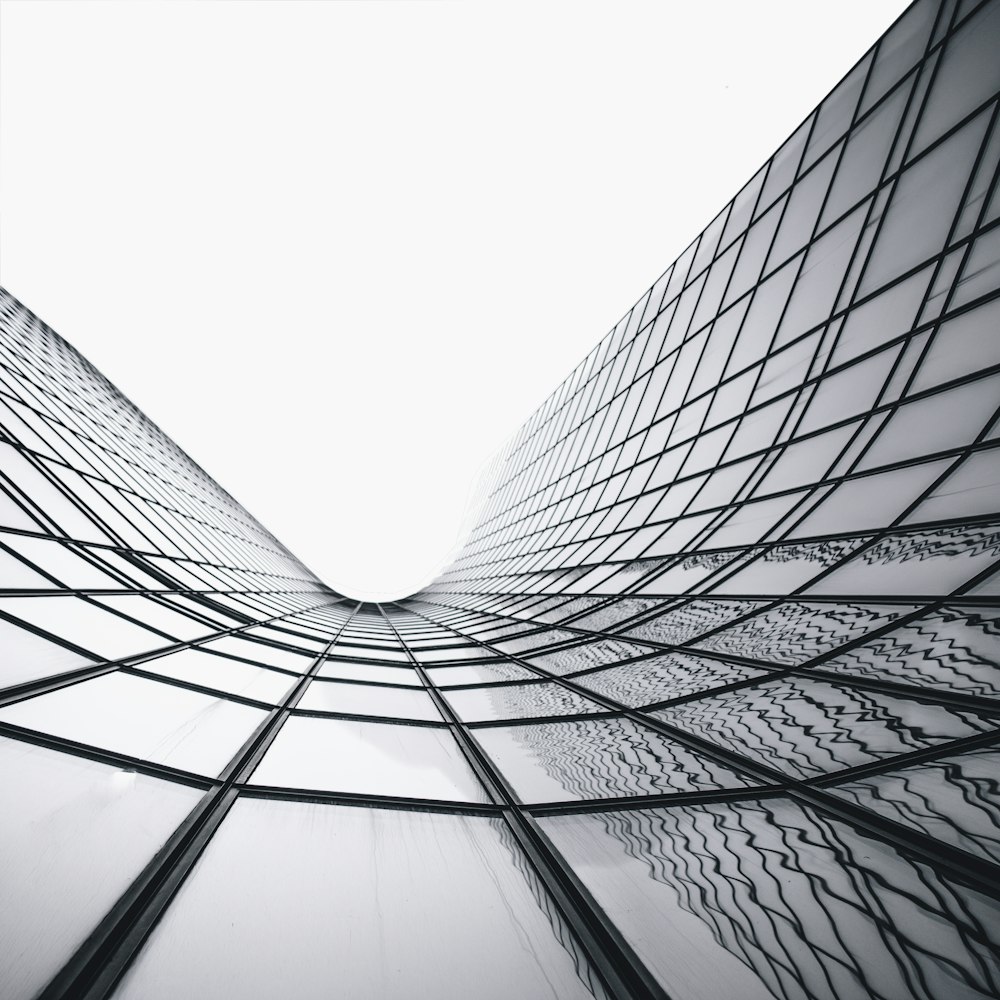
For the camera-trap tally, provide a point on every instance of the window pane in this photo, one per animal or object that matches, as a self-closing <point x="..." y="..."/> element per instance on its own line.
<point x="596" y="758"/>
<point x="368" y="699"/>
<point x="804" y="727"/>
<point x="730" y="901"/>
<point x="223" y="674"/>
<point x="161" y="723"/>
<point x="340" y="670"/>
<point x="74" y="836"/>
<point x="518" y="701"/>
<point x="479" y="674"/>
<point x="373" y="758"/>
<point x="314" y="901"/>
<point x="25" y="656"/>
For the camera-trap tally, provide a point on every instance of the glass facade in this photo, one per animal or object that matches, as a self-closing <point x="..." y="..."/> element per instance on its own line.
<point x="707" y="705"/>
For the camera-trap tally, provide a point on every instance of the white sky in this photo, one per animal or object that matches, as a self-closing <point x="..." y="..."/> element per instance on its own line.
<point x="341" y="251"/>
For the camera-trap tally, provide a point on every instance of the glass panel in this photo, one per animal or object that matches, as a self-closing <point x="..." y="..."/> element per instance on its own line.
<point x="870" y="501"/>
<point x="738" y="901"/>
<point x="888" y="315"/>
<point x="803" y="727"/>
<point x="222" y="673"/>
<point x="900" y="49"/>
<point x="518" y="701"/>
<point x="481" y="673"/>
<point x="954" y="800"/>
<point x="794" y="632"/>
<point x="588" y="655"/>
<point x="340" y="670"/>
<point x="369" y="758"/>
<point x="84" y="624"/>
<point x="965" y="344"/>
<point x="784" y="568"/>
<point x="368" y="699"/>
<point x="693" y="618"/>
<point x="57" y="560"/>
<point x="981" y="274"/>
<point x="370" y="904"/>
<point x="942" y="422"/>
<point x="161" y="723"/>
<point x="933" y="562"/>
<point x="598" y="758"/>
<point x="865" y="157"/>
<point x="74" y="836"/>
<point x="969" y="74"/>
<point x="923" y="207"/>
<point x="25" y="656"/>
<point x="954" y="649"/>
<point x="393" y="655"/>
<point x="836" y="112"/>
<point x="802" y="211"/>
<point x="971" y="491"/>
<point x="457" y="653"/>
<point x="260" y="653"/>
<point x="664" y="677"/>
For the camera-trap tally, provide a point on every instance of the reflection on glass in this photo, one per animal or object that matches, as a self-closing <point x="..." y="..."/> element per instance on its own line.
<point x="598" y="758"/>
<point x="955" y="800"/>
<point x="664" y="677"/>
<point x="588" y="655"/>
<point x="796" y="631"/>
<point x="803" y="727"/>
<point x="518" y="701"/>
<point x="480" y="673"/>
<point x="954" y="649"/>
<point x="934" y="561"/>
<point x="741" y="901"/>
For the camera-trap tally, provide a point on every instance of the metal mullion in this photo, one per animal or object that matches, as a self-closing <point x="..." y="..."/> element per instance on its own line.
<point x="370" y="801"/>
<point x="391" y="720"/>
<point x="98" y="964"/>
<point x="611" y="957"/>
<point x="100" y="755"/>
<point x="633" y="803"/>
<point x="920" y="755"/>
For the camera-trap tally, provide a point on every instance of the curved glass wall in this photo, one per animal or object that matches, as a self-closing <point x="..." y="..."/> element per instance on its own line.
<point x="706" y="706"/>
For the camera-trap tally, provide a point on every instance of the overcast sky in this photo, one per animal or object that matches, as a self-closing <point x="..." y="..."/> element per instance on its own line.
<point x="341" y="251"/>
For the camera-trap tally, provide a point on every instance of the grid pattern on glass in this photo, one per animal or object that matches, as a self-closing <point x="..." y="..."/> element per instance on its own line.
<point x="737" y="574"/>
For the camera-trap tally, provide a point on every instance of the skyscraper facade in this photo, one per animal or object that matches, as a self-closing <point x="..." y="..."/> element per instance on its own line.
<point x="707" y="705"/>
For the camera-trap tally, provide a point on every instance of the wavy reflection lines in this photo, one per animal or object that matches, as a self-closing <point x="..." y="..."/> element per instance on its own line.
<point x="814" y="910"/>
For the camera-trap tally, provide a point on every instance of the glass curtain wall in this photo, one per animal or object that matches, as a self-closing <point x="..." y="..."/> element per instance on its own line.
<point x="707" y="705"/>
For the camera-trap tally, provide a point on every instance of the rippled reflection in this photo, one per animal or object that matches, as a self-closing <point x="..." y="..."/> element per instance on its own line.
<point x="803" y="727"/>
<point x="954" y="649"/>
<point x="769" y="899"/>
<point x="597" y="758"/>
<point x="956" y="800"/>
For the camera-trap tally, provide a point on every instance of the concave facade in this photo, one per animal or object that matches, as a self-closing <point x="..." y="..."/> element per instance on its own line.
<point x="707" y="706"/>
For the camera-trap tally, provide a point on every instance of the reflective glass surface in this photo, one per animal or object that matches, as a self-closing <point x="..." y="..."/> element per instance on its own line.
<point x="742" y="558"/>
<point x="371" y="758"/>
<point x="337" y="890"/>
<point x="598" y="758"/>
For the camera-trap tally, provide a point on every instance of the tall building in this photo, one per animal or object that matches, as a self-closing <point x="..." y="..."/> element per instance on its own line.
<point x="706" y="707"/>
